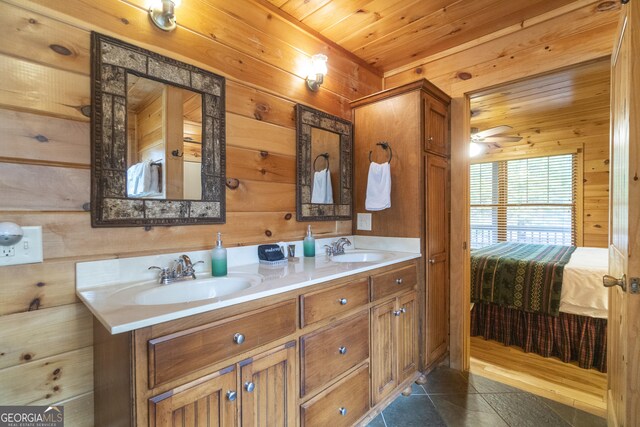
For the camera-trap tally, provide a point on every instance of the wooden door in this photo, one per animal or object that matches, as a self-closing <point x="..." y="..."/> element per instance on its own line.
<point x="623" y="400"/>
<point x="269" y="388"/>
<point x="384" y="373"/>
<point x="436" y="125"/>
<point x="437" y="249"/>
<point x="407" y="335"/>
<point x="207" y="402"/>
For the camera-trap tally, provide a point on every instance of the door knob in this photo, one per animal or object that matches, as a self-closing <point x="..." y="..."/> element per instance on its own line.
<point x="610" y="281"/>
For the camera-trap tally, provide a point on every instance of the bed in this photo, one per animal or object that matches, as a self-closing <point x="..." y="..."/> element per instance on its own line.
<point x="544" y="299"/>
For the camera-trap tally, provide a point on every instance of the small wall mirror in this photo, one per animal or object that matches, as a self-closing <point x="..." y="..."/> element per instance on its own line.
<point x="157" y="139"/>
<point x="324" y="155"/>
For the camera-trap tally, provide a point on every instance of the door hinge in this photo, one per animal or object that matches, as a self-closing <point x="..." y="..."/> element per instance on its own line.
<point x="464" y="245"/>
<point x="634" y="287"/>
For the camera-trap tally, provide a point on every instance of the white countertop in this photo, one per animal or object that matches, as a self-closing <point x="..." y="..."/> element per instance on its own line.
<point x="112" y="305"/>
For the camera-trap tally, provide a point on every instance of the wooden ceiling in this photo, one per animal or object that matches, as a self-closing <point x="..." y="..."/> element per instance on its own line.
<point x="389" y="34"/>
<point x="552" y="110"/>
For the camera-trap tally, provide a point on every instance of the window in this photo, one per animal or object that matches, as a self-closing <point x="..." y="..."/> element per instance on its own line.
<point x="524" y="200"/>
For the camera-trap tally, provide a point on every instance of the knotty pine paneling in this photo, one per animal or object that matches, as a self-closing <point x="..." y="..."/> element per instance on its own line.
<point x="46" y="339"/>
<point x="579" y="34"/>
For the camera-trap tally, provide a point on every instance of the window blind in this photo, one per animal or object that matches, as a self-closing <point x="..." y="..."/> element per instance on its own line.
<point x="524" y="200"/>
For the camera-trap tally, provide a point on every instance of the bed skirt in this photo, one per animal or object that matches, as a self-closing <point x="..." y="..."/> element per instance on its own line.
<point x="569" y="337"/>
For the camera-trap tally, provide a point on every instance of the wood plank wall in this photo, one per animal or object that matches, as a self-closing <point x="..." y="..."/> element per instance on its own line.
<point x="45" y="333"/>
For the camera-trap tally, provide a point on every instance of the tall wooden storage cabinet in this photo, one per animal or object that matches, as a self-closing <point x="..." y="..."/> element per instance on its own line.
<point x="414" y="120"/>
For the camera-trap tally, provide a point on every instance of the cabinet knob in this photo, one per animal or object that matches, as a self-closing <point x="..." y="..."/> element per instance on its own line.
<point x="231" y="395"/>
<point x="342" y="350"/>
<point x="399" y="312"/>
<point x="238" y="338"/>
<point x="432" y="261"/>
<point x="430" y="139"/>
<point x="249" y="386"/>
<point x="342" y="411"/>
<point x="343" y="301"/>
<point x="403" y="310"/>
<point x="399" y="281"/>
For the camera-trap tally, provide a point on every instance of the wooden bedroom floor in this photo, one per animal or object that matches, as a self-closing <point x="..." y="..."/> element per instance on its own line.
<point x="566" y="383"/>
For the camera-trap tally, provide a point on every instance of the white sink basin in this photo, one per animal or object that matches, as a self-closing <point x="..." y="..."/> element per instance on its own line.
<point x="360" y="256"/>
<point x="194" y="290"/>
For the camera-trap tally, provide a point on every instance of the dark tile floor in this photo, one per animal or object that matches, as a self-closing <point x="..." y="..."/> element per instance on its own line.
<point x="450" y="398"/>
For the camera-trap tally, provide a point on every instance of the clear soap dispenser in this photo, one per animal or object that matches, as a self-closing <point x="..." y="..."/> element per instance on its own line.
<point x="309" y="244"/>
<point x="219" y="259"/>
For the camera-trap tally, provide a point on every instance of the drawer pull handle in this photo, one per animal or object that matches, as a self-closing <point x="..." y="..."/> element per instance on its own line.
<point x="399" y="281"/>
<point x="238" y="338"/>
<point x="343" y="301"/>
<point x="343" y="411"/>
<point x="249" y="386"/>
<point x="231" y="395"/>
<point x="342" y="350"/>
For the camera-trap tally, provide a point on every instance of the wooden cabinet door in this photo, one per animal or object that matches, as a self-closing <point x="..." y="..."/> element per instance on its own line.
<point x="436" y="125"/>
<point x="407" y="335"/>
<point x="384" y="373"/>
<point x="623" y="352"/>
<point x="210" y="401"/>
<point x="268" y="385"/>
<point x="437" y="249"/>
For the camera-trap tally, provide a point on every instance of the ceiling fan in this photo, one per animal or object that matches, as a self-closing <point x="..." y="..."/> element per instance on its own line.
<point x="492" y="136"/>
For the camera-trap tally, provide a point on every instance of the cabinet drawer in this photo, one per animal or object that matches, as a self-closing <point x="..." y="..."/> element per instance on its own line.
<point x="320" y="305"/>
<point x="393" y="281"/>
<point x="327" y="353"/>
<point x="341" y="405"/>
<point x="175" y="355"/>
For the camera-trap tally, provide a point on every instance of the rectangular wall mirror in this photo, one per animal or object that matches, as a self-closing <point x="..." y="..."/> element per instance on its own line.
<point x="158" y="139"/>
<point x="324" y="159"/>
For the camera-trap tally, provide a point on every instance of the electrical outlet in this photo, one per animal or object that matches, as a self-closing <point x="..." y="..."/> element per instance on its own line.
<point x="27" y="251"/>
<point x="6" y="251"/>
<point x="364" y="221"/>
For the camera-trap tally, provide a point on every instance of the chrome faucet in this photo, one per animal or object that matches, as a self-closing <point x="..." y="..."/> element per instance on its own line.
<point x="337" y="247"/>
<point x="181" y="269"/>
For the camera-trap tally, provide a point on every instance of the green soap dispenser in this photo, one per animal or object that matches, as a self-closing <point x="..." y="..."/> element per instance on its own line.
<point x="309" y="244"/>
<point x="219" y="259"/>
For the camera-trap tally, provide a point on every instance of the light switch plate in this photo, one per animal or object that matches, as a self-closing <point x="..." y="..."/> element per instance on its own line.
<point x="364" y="221"/>
<point x="27" y="251"/>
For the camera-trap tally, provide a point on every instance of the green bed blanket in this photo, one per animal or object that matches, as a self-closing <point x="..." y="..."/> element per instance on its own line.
<point x="523" y="276"/>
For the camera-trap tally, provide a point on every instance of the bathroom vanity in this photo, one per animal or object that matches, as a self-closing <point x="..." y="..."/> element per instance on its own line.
<point x="323" y="341"/>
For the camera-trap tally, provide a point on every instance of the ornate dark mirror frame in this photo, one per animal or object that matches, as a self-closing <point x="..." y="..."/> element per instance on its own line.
<point x="306" y="119"/>
<point x="111" y="61"/>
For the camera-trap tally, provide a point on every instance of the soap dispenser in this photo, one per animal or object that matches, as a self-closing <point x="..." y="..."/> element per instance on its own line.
<point x="309" y="244"/>
<point x="219" y="259"/>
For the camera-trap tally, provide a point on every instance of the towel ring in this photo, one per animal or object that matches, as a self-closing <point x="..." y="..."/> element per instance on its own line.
<point x="385" y="146"/>
<point x="326" y="159"/>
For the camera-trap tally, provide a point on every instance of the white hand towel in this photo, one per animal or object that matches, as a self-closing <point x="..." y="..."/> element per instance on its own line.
<point x="322" y="192"/>
<point x="328" y="197"/>
<point x="142" y="180"/>
<point x="378" y="187"/>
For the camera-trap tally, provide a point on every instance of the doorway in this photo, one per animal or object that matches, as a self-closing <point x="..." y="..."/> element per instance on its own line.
<point x="540" y="176"/>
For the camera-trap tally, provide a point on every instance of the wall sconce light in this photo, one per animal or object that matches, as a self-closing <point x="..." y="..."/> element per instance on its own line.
<point x="162" y="14"/>
<point x="317" y="71"/>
